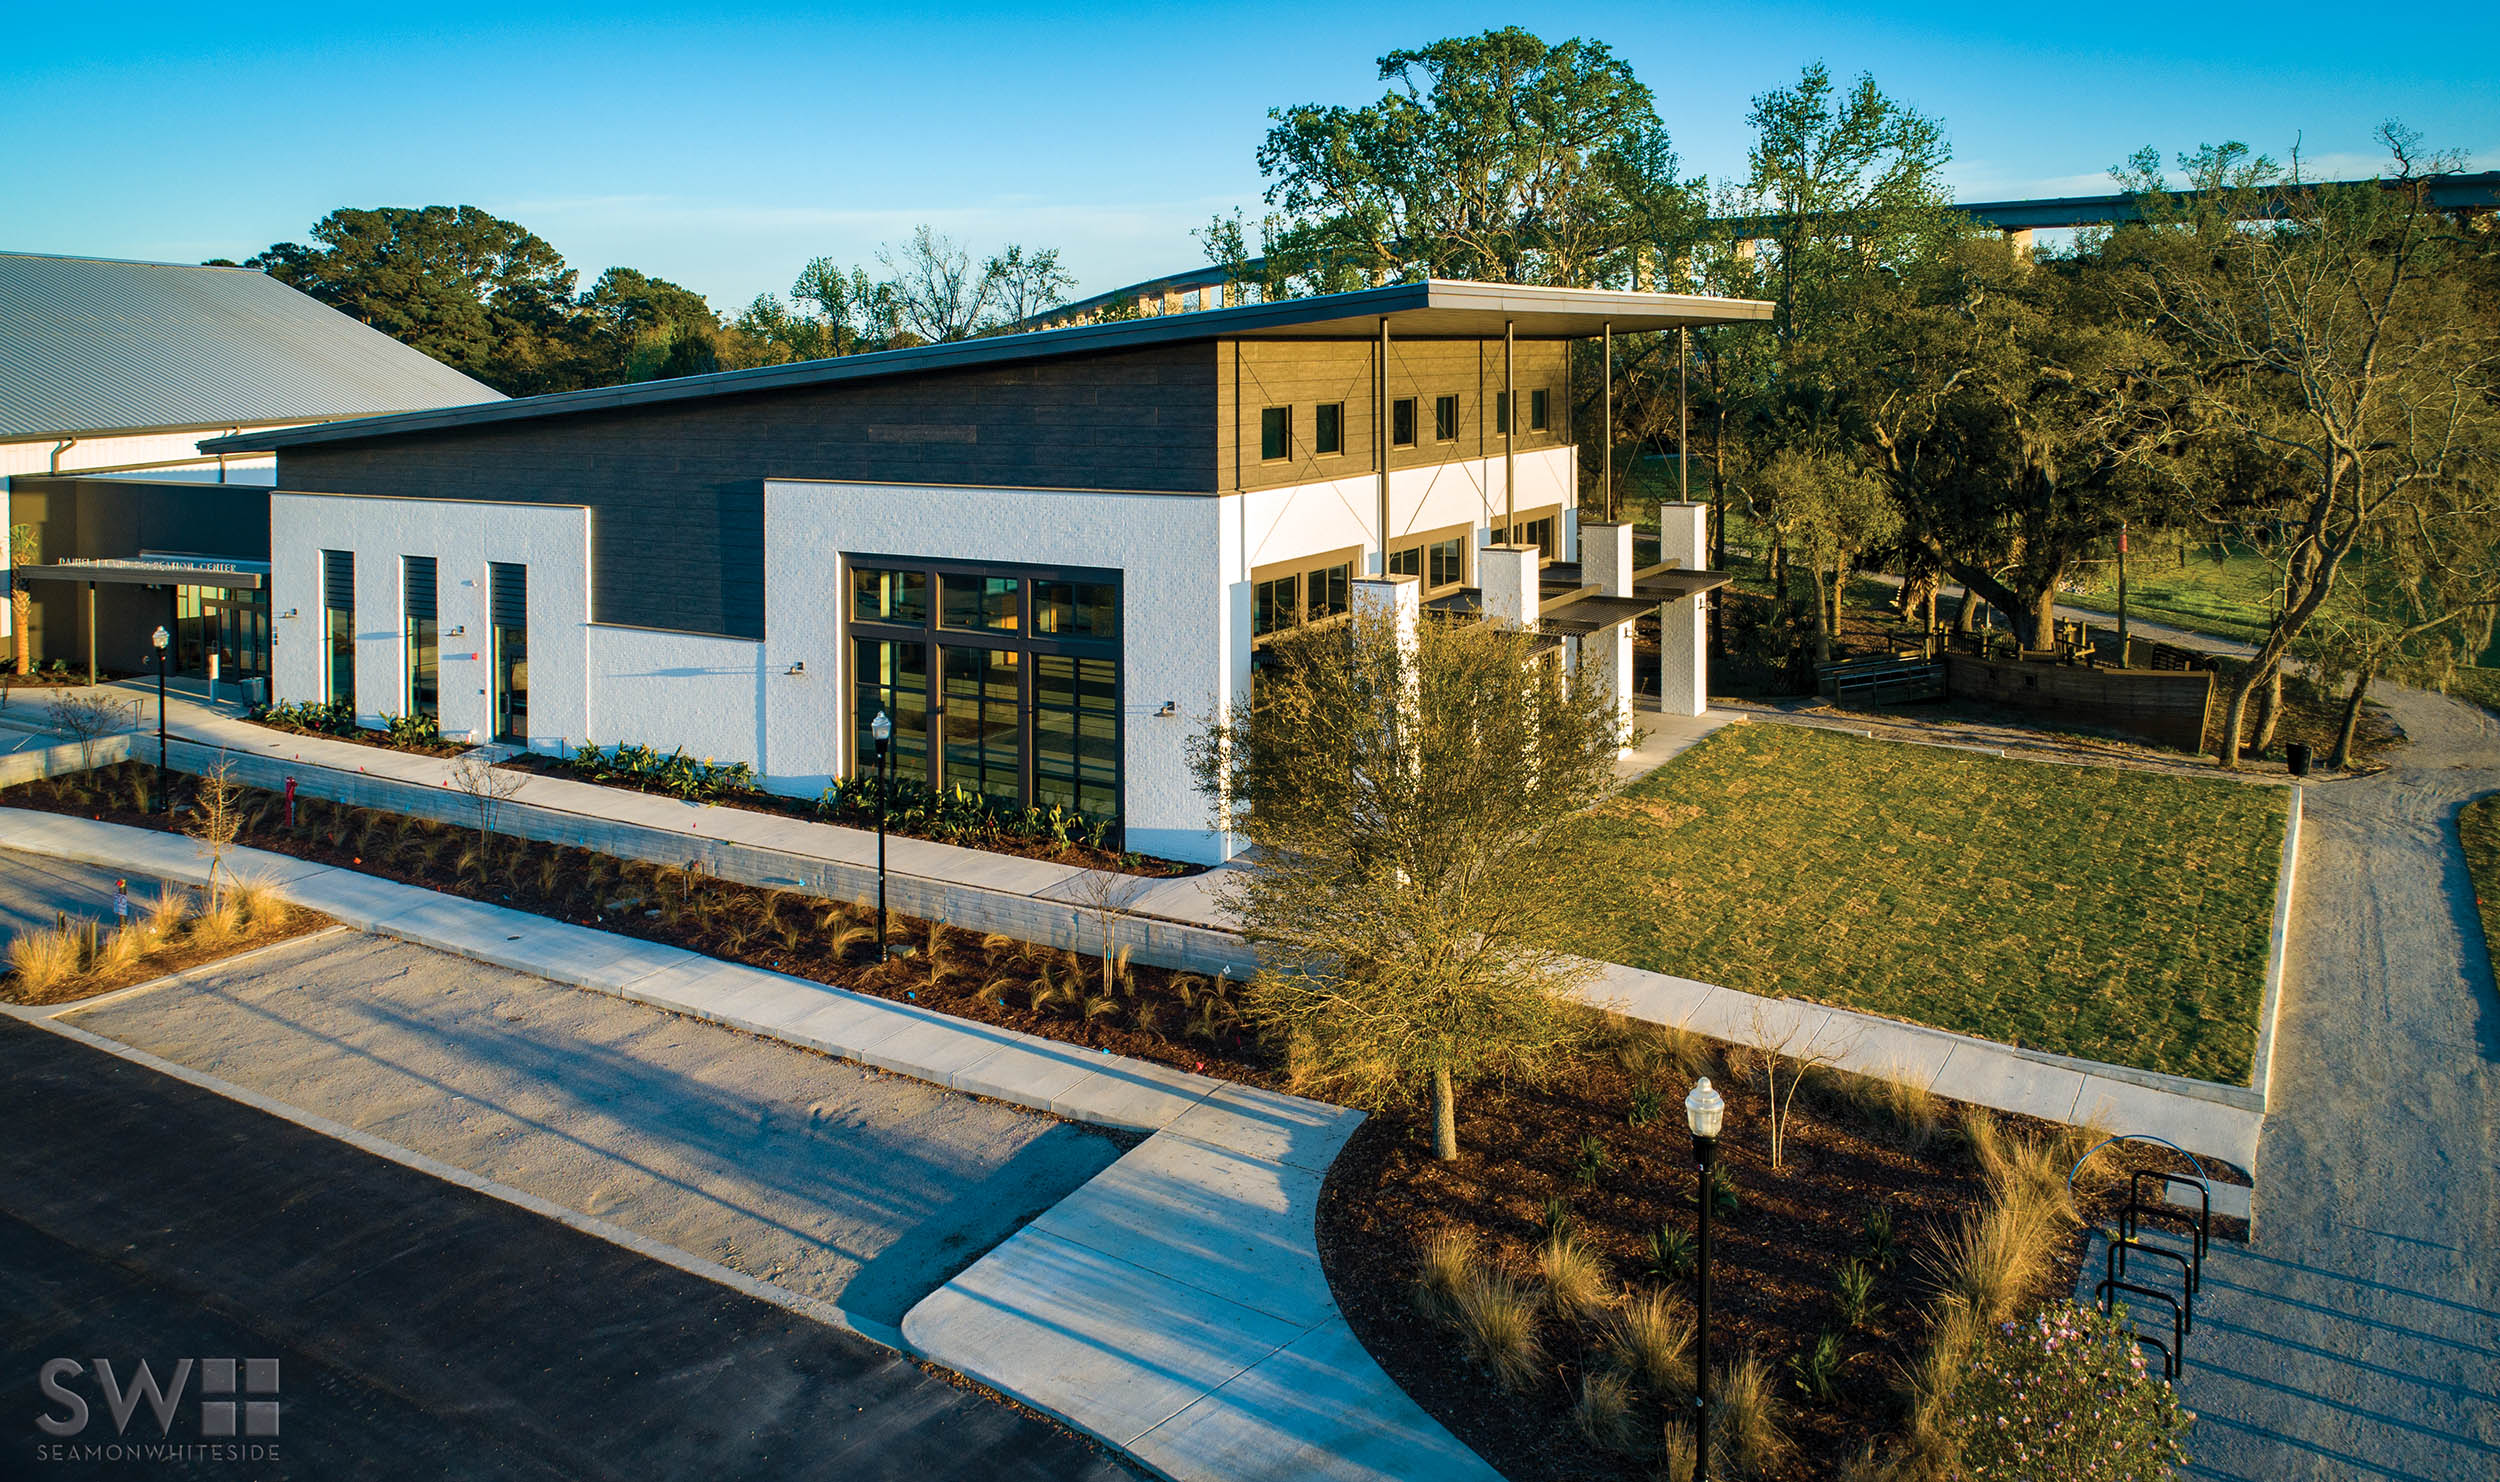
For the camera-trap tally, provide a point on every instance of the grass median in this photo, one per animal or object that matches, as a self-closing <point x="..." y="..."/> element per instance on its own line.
<point x="2112" y="914"/>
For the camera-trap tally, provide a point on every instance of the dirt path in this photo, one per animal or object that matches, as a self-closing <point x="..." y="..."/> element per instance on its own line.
<point x="2359" y="1336"/>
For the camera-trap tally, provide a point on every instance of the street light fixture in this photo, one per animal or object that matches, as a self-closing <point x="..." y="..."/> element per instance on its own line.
<point x="1704" y="1109"/>
<point x="882" y="728"/>
<point x="160" y="640"/>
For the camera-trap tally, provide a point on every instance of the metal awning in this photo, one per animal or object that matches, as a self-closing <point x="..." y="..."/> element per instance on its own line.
<point x="154" y="571"/>
<point x="1669" y="583"/>
<point x="1584" y="615"/>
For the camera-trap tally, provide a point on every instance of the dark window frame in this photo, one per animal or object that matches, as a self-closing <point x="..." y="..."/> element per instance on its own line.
<point x="1402" y="422"/>
<point x="1421" y="545"/>
<point x="1540" y="409"/>
<point x="1524" y="520"/>
<point x="1328" y="430"/>
<point x="1299" y="571"/>
<point x="1445" y="418"/>
<point x="1023" y="639"/>
<point x="1276" y="431"/>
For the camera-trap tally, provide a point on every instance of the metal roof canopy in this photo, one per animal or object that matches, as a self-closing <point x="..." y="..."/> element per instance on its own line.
<point x="1436" y="309"/>
<point x="142" y="571"/>
<point x="91" y="346"/>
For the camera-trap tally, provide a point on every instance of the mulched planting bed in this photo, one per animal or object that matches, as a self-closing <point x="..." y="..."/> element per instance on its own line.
<point x="378" y="740"/>
<point x="1774" y="1259"/>
<point x="1172" y="1018"/>
<point x="179" y="957"/>
<point x="766" y="802"/>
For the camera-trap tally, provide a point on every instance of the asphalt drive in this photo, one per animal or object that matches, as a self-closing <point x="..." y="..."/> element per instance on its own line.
<point x="420" y="1329"/>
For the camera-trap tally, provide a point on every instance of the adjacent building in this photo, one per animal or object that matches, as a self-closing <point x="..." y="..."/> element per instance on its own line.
<point x="111" y="374"/>
<point x="1045" y="556"/>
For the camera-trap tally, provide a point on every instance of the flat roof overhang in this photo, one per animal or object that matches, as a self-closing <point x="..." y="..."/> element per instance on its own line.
<point x="138" y="572"/>
<point x="1434" y="309"/>
<point x="1669" y="583"/>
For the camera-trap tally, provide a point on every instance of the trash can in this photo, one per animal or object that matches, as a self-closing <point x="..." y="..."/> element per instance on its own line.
<point x="2296" y="758"/>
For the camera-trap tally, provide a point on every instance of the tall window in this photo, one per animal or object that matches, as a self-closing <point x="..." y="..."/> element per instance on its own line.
<point x="1328" y="428"/>
<point x="507" y="610"/>
<point x="1540" y="528"/>
<point x="1539" y="406"/>
<point x="1002" y="680"/>
<point x="420" y="630"/>
<point x="1276" y="432"/>
<point x="1445" y="419"/>
<point x="1402" y="422"/>
<point x="1501" y="413"/>
<point x="338" y="620"/>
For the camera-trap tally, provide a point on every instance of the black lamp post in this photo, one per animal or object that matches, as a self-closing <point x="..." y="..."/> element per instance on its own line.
<point x="160" y="639"/>
<point x="882" y="728"/>
<point x="1703" y="1111"/>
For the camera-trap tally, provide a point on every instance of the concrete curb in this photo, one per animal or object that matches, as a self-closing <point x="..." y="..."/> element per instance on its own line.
<point x="2278" y="942"/>
<point x="1173" y="1307"/>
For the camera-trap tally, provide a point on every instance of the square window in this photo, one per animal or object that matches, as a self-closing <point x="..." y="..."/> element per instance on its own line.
<point x="1538" y="407"/>
<point x="1331" y="591"/>
<point x="981" y="603"/>
<point x="1328" y="428"/>
<point x="1402" y="422"/>
<point x="1076" y="609"/>
<point x="1408" y="562"/>
<point x="1449" y="563"/>
<point x="1445" y="419"/>
<point x="1276" y="432"/>
<point x="1275" y="605"/>
<point x="883" y="596"/>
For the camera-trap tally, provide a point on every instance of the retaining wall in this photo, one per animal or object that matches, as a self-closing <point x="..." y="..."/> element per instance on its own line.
<point x="2163" y="706"/>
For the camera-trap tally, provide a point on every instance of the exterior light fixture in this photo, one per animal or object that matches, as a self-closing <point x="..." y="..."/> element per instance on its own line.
<point x="882" y="730"/>
<point x="1169" y="709"/>
<point x="798" y="668"/>
<point x="160" y="640"/>
<point x="1704" y="1110"/>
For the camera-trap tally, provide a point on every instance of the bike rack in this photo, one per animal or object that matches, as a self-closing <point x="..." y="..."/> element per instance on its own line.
<point x="2114" y="1267"/>
<point x="2107" y="1293"/>
<point x="2200" y="1225"/>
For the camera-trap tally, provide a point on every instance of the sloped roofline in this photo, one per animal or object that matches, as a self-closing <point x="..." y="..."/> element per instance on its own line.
<point x="1430" y="309"/>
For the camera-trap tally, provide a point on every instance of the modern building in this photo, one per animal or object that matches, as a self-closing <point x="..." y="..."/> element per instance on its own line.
<point x="1045" y="556"/>
<point x="111" y="374"/>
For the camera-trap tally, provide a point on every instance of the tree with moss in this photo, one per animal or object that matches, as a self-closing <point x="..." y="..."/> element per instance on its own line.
<point x="1408" y="868"/>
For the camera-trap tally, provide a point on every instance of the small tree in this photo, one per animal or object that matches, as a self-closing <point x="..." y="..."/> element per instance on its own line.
<point x="1108" y="895"/>
<point x="25" y="549"/>
<point x="487" y="787"/>
<point x="88" y="718"/>
<point x="216" y="818"/>
<point x="1408" y="871"/>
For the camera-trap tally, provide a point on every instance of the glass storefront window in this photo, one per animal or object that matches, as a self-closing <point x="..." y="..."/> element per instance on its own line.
<point x="894" y="678"/>
<point x="983" y="721"/>
<point x="1076" y="734"/>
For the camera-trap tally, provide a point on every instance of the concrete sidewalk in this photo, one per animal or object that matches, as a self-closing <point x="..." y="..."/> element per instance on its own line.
<point x="1183" y="923"/>
<point x="1174" y="1306"/>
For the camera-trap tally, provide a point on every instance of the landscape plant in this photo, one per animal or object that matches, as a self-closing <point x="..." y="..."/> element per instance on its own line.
<point x="2064" y="1395"/>
<point x="88" y="718"/>
<point x="215" y="818"/>
<point x="1408" y="871"/>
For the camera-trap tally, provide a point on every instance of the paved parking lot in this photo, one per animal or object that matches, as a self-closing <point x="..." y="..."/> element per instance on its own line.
<point x="422" y="1330"/>
<point x="859" y="1188"/>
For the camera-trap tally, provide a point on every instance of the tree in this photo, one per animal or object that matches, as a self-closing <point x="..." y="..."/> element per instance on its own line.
<point x="1023" y="283"/>
<point x="851" y="307"/>
<point x="487" y="788"/>
<point x="474" y="291"/>
<point x="25" y="549"/>
<point x="2342" y="338"/>
<point x="1408" y="870"/>
<point x="938" y="294"/>
<point x="216" y="820"/>
<point x="1829" y="511"/>
<point x="1495" y="157"/>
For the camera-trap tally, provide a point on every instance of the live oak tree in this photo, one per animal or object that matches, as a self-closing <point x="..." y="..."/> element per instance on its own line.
<point x="1407" y="866"/>
<point x="2340" y="337"/>
<point x="1496" y="157"/>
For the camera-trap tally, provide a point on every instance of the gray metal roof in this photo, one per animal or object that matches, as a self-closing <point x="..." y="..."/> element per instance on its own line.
<point x="89" y="345"/>
<point x="1433" y="309"/>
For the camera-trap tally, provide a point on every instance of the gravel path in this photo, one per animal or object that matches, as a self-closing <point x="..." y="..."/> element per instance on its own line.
<point x="2359" y="1336"/>
<point x="863" y="1189"/>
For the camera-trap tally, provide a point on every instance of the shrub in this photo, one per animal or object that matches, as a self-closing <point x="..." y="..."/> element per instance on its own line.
<point x="329" y="718"/>
<point x="415" y="732"/>
<point x="958" y="815"/>
<point x="259" y="903"/>
<point x="1671" y="1252"/>
<point x="1746" y="1417"/>
<point x="43" y="959"/>
<point x="1816" y="1370"/>
<point x="1449" y="1259"/>
<point x="1651" y="1338"/>
<point x="1576" y="1279"/>
<point x="1497" y="1323"/>
<point x="1853" y="1293"/>
<point x="1994" y="1259"/>
<point x="1676" y="1449"/>
<point x="2063" y="1395"/>
<point x="1603" y="1413"/>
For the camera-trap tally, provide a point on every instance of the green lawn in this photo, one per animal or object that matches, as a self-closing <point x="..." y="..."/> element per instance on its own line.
<point x="2116" y="915"/>
<point x="2481" y="686"/>
<point x="2234" y="598"/>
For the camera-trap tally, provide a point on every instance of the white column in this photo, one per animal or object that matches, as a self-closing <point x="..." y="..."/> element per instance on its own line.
<point x="1395" y="600"/>
<point x="1606" y="655"/>
<point x="1506" y="575"/>
<point x="1683" y="638"/>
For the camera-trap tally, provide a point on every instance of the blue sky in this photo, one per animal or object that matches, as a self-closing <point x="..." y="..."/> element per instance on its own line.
<point x="722" y="146"/>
